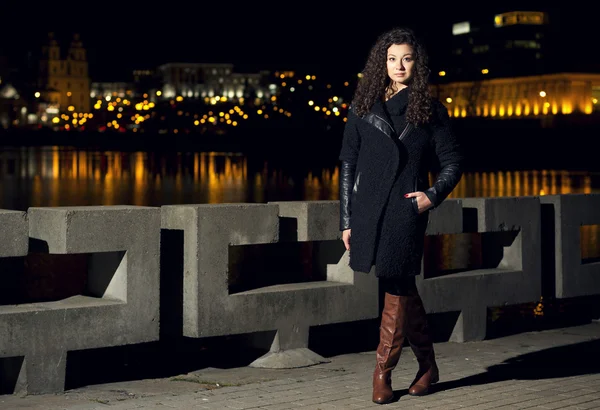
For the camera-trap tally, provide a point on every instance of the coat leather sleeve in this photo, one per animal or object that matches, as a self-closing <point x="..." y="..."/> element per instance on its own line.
<point x="450" y="156"/>
<point x="346" y="183"/>
<point x="349" y="157"/>
<point x="351" y="140"/>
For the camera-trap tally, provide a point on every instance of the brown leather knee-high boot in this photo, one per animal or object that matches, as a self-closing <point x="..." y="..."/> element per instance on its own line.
<point x="391" y="338"/>
<point x="419" y="338"/>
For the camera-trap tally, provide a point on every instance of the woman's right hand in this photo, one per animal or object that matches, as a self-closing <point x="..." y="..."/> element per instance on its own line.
<point x="346" y="238"/>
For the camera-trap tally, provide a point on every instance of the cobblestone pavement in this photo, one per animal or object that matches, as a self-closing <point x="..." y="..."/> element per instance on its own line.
<point x="551" y="369"/>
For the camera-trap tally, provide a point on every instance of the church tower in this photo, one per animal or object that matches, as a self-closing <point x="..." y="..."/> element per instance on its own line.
<point x="77" y="71"/>
<point x="65" y="81"/>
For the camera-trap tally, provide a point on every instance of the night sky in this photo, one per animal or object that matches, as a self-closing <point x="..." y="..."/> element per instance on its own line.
<point x="331" y="38"/>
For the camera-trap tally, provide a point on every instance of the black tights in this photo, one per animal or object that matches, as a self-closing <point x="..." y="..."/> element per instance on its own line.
<point x="405" y="286"/>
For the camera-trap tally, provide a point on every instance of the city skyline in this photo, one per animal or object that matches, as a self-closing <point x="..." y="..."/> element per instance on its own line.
<point x="329" y="39"/>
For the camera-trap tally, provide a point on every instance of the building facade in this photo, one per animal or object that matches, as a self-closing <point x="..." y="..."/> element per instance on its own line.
<point x="199" y="80"/>
<point x="99" y="90"/>
<point x="528" y="96"/>
<point x="63" y="78"/>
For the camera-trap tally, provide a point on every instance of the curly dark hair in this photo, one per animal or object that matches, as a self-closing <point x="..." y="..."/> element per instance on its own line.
<point x="375" y="81"/>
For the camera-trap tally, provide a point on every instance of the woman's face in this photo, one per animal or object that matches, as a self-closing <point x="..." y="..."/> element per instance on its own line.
<point x="400" y="63"/>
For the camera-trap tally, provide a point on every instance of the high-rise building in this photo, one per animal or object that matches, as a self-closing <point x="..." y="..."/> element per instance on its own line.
<point x="508" y="65"/>
<point x="509" y="44"/>
<point x="64" y="79"/>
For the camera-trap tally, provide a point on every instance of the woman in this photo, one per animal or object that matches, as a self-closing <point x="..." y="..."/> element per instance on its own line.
<point x="395" y="133"/>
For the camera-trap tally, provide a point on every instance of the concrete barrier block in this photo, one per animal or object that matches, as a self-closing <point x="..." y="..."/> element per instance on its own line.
<point x="568" y="213"/>
<point x="446" y="218"/>
<point x="316" y="220"/>
<point x="289" y="309"/>
<point x="15" y="237"/>
<point x="516" y="277"/>
<point x="122" y="306"/>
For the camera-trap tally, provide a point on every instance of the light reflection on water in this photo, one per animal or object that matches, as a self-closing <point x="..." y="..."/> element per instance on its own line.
<point x="57" y="176"/>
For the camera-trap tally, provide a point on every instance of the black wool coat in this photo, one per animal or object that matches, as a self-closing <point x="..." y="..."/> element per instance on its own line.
<point x="387" y="229"/>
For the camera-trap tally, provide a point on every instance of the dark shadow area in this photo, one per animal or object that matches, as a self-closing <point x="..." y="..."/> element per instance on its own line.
<point x="442" y="325"/>
<point x="10" y="368"/>
<point x="562" y="361"/>
<point x="548" y="230"/>
<point x="42" y="277"/>
<point x="470" y="220"/>
<point x="288" y="229"/>
<point x="546" y="314"/>
<point x="157" y="359"/>
<point x="13" y="281"/>
<point x="344" y="338"/>
<point x="595" y="259"/>
<point x="448" y="254"/>
<point x="493" y="244"/>
<point x="38" y="246"/>
<point x="398" y="395"/>
<point x="171" y="283"/>
<point x="257" y="266"/>
<point x="101" y="269"/>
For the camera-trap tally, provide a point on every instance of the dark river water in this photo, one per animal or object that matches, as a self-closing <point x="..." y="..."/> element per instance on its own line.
<point x="63" y="176"/>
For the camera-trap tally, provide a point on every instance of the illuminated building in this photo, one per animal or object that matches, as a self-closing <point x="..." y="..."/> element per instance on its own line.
<point x="113" y="89"/>
<point x="528" y="96"/>
<point x="64" y="80"/>
<point x="505" y="66"/>
<point x="143" y="82"/>
<point x="199" y="80"/>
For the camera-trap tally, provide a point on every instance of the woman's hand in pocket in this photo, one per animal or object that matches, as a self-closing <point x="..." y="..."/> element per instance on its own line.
<point x="423" y="202"/>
